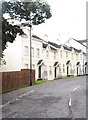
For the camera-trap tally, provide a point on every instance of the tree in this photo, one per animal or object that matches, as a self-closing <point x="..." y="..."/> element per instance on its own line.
<point x="34" y="11"/>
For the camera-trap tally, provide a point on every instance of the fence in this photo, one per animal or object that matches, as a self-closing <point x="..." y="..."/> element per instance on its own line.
<point x="13" y="79"/>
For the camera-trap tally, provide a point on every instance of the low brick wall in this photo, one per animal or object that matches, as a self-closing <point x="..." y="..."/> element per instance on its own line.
<point x="15" y="79"/>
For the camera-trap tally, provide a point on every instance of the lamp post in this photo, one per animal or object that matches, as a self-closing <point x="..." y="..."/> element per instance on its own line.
<point x="30" y="56"/>
<point x="29" y="25"/>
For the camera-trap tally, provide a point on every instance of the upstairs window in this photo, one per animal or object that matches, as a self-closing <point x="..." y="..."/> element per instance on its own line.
<point x="47" y="54"/>
<point x="38" y="52"/>
<point x="72" y="55"/>
<point x="61" y="53"/>
<point x="50" y="70"/>
<point x="66" y="54"/>
<point x="26" y="66"/>
<point x="26" y="50"/>
<point x="32" y="51"/>
<point x="54" y="55"/>
<point x="63" y="68"/>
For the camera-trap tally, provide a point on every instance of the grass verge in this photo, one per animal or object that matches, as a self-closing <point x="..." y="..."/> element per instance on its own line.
<point x="39" y="82"/>
<point x="12" y="89"/>
<point x="22" y="86"/>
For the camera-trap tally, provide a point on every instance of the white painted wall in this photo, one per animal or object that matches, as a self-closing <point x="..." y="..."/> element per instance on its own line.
<point x="13" y="56"/>
<point x="16" y="59"/>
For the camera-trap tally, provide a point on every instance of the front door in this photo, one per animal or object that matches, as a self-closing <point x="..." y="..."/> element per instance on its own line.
<point x="67" y="70"/>
<point x="85" y="70"/>
<point x="77" y="71"/>
<point x="39" y="71"/>
<point x="55" y="72"/>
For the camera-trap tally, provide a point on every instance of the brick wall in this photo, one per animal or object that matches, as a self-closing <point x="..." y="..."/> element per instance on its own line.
<point x="15" y="79"/>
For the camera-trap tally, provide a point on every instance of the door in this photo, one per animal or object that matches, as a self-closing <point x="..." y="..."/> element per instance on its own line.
<point x="77" y="71"/>
<point x="67" y="70"/>
<point x="39" y="72"/>
<point x="55" y="72"/>
<point x="85" y="70"/>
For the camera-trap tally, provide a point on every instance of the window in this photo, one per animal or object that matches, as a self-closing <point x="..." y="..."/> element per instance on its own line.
<point x="76" y="56"/>
<point x="26" y="50"/>
<point x="60" y="69"/>
<point x="47" y="54"/>
<point x="50" y="70"/>
<point x="54" y="55"/>
<point x="81" y="56"/>
<point x="74" y="68"/>
<point x="72" y="55"/>
<point x="26" y="66"/>
<point x="66" y="54"/>
<point x="63" y="68"/>
<point x="61" y="53"/>
<point x="38" y="52"/>
<point x="32" y="50"/>
<point x="33" y="66"/>
<point x="70" y="68"/>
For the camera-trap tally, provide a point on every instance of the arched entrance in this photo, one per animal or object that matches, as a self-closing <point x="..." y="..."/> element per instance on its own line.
<point x="67" y="70"/>
<point x="56" y="64"/>
<point x="39" y="64"/>
<point x="39" y="72"/>
<point x="78" y="63"/>
<point x="67" y="63"/>
<point x="55" y="72"/>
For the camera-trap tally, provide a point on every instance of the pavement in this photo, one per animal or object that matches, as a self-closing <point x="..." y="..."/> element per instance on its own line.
<point x="10" y="96"/>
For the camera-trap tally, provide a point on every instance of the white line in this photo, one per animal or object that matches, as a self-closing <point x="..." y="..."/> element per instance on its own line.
<point x="76" y="88"/>
<point x="69" y="102"/>
<point x="18" y="98"/>
<point x="32" y="91"/>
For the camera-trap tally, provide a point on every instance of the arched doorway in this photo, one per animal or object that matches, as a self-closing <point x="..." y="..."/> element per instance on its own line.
<point x="67" y="63"/>
<point x="77" y="71"/>
<point x="56" y="65"/>
<point x="39" y="64"/>
<point x="67" y="70"/>
<point x="78" y="67"/>
<point x="55" y="72"/>
<point x="85" y="70"/>
<point x="39" y="72"/>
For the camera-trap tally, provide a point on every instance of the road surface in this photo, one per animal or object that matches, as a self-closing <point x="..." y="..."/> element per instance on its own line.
<point x="62" y="98"/>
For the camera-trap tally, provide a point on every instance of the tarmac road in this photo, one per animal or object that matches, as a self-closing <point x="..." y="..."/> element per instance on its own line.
<point x="62" y="98"/>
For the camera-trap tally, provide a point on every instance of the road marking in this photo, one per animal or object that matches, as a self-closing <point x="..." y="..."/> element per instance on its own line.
<point x="76" y="88"/>
<point x="32" y="91"/>
<point x="18" y="98"/>
<point x="69" y="102"/>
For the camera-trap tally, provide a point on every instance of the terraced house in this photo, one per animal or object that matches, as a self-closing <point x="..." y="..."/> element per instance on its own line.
<point x="49" y="60"/>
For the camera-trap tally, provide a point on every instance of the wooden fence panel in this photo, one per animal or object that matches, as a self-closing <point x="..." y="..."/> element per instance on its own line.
<point x="15" y="79"/>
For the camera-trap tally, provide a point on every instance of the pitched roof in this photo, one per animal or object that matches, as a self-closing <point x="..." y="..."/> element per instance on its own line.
<point x="36" y="37"/>
<point x="67" y="62"/>
<point x="67" y="48"/>
<point x="76" y="49"/>
<point x="86" y="63"/>
<point x="53" y="48"/>
<point x="78" y="63"/>
<point x="39" y="62"/>
<point x="54" y="44"/>
<point x="44" y="45"/>
<point x="56" y="64"/>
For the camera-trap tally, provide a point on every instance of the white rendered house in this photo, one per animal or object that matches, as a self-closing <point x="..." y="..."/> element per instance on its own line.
<point x="49" y="60"/>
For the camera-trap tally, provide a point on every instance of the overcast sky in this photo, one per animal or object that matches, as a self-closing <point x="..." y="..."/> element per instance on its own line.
<point x="68" y="21"/>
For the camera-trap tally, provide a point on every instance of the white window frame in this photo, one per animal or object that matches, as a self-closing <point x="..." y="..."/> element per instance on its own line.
<point x="26" y="50"/>
<point x="32" y="51"/>
<point x="38" y="52"/>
